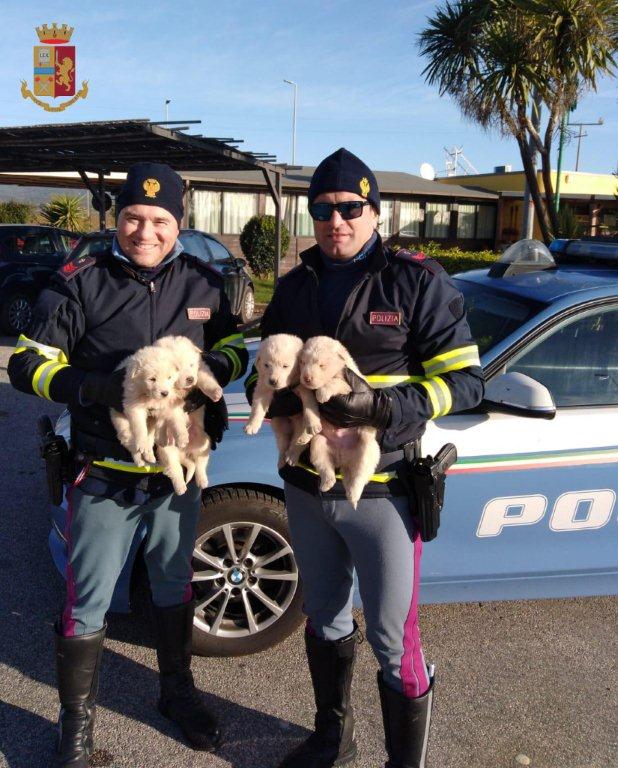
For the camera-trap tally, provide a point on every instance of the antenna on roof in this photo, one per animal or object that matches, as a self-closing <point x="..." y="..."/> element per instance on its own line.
<point x="455" y="159"/>
<point x="428" y="171"/>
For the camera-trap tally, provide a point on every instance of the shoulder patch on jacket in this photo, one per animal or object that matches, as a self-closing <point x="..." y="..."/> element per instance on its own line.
<point x="420" y="259"/>
<point x="73" y="267"/>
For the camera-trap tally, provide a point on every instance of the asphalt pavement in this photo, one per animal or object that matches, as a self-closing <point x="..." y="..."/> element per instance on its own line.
<point x="518" y="683"/>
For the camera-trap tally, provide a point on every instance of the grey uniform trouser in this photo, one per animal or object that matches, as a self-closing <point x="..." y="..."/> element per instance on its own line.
<point x="379" y="540"/>
<point x="99" y="533"/>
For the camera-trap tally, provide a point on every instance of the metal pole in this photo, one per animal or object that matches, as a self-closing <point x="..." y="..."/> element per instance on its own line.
<point x="291" y="82"/>
<point x="277" y="227"/>
<point x="527" y="224"/>
<point x="563" y="125"/>
<point x="167" y="110"/>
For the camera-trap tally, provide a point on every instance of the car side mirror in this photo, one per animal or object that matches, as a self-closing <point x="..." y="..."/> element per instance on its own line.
<point x="517" y="393"/>
<point x="239" y="263"/>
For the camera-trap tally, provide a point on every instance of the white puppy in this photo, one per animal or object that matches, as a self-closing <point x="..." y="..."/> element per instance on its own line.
<point x="355" y="451"/>
<point x="193" y="454"/>
<point x="277" y="368"/>
<point x="150" y="399"/>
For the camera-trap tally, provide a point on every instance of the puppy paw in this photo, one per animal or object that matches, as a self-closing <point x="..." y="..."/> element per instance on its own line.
<point x="327" y="482"/>
<point x="313" y="427"/>
<point x="291" y="458"/>
<point x="215" y="394"/>
<point x="251" y="428"/>
<point x="322" y="395"/>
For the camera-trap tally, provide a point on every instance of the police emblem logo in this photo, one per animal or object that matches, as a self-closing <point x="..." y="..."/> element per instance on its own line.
<point x="54" y="69"/>
<point x="365" y="187"/>
<point x="151" y="187"/>
<point x="198" y="313"/>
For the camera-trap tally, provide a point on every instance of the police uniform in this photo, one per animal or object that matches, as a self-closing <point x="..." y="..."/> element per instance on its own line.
<point x="402" y="320"/>
<point x="96" y="311"/>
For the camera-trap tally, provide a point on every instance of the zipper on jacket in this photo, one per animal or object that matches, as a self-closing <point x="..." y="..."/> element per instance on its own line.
<point x="350" y="298"/>
<point x="152" y="289"/>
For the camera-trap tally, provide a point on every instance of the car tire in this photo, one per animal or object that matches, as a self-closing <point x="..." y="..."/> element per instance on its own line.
<point x="16" y="313"/>
<point x="247" y="310"/>
<point x="242" y="606"/>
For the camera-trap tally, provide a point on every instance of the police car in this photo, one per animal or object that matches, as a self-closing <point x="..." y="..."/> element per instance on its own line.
<point x="530" y="508"/>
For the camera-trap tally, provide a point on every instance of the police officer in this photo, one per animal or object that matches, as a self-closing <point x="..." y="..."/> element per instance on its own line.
<point x="402" y="320"/>
<point x="97" y="310"/>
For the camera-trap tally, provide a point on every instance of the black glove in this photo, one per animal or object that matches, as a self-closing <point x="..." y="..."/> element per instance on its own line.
<point x="284" y="403"/>
<point x="215" y="415"/>
<point x="363" y="407"/>
<point x="103" y="388"/>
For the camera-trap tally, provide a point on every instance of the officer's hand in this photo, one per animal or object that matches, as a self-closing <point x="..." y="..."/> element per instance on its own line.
<point x="362" y="407"/>
<point x="215" y="420"/>
<point x="103" y="388"/>
<point x="284" y="403"/>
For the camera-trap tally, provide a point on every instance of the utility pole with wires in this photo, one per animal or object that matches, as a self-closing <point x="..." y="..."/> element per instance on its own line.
<point x="581" y="135"/>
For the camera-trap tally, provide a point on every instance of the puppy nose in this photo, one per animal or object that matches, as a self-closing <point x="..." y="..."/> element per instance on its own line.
<point x="190" y="380"/>
<point x="307" y="378"/>
<point x="164" y="393"/>
<point x="272" y="382"/>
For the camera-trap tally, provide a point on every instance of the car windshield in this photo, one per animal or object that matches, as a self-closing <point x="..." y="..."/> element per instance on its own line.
<point x="492" y="316"/>
<point x="90" y="246"/>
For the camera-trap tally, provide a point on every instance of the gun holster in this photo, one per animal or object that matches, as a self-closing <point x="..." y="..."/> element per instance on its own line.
<point x="55" y="452"/>
<point x="424" y="479"/>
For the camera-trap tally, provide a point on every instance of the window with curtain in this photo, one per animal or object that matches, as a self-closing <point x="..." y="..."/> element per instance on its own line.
<point x="409" y="219"/>
<point x="238" y="208"/>
<point x="465" y="220"/>
<point x="304" y="222"/>
<point x="206" y="210"/>
<point x="486" y="225"/>
<point x="437" y="219"/>
<point x="285" y="208"/>
<point x="386" y="218"/>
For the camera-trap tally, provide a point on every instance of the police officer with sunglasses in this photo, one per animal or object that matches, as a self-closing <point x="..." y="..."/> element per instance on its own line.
<point x="402" y="319"/>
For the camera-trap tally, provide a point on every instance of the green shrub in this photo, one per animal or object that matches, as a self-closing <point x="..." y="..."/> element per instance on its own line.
<point x="12" y="212"/>
<point x="454" y="259"/>
<point x="257" y="241"/>
<point x="65" y="212"/>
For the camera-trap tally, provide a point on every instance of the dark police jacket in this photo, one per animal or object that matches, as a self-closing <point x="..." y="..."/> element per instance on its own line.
<point x="96" y="311"/>
<point x="404" y="325"/>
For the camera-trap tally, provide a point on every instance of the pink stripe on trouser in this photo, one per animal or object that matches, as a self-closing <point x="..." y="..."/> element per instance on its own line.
<point x="68" y="622"/>
<point x="188" y="593"/>
<point x="413" y="671"/>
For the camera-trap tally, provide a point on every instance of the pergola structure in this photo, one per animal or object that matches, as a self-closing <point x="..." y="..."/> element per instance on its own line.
<point x="101" y="148"/>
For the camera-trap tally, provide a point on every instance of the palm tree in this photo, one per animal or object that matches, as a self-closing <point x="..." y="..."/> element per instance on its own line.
<point x="64" y="211"/>
<point x="496" y="58"/>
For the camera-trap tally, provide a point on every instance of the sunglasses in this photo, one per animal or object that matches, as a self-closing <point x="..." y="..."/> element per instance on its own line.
<point x="351" y="209"/>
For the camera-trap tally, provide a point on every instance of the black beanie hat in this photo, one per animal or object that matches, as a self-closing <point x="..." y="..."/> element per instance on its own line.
<point x="152" y="184"/>
<point x="344" y="172"/>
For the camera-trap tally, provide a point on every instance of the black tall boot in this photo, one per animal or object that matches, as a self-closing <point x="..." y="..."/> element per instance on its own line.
<point x="331" y="663"/>
<point x="78" y="660"/>
<point x="180" y="700"/>
<point x="406" y="726"/>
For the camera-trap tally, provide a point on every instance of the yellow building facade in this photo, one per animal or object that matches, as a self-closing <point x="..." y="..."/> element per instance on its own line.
<point x="592" y="198"/>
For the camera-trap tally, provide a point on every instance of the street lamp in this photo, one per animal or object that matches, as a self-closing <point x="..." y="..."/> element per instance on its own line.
<point x="291" y="82"/>
<point x="167" y="110"/>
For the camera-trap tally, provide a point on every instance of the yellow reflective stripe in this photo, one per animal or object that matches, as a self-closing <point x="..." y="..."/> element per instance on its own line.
<point x="233" y="357"/>
<point x="433" y="396"/>
<point x="453" y="360"/>
<point x="125" y="466"/>
<point x="384" y="380"/>
<point x="446" y="395"/>
<point x="51" y="353"/>
<point x="250" y="380"/>
<point x="380" y="477"/>
<point x="439" y="395"/>
<point x="43" y="376"/>
<point x="235" y="340"/>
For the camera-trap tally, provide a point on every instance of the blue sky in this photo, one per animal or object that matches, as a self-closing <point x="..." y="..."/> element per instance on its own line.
<point x="356" y="64"/>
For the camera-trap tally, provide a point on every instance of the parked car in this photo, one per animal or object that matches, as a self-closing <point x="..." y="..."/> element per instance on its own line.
<point x="237" y="282"/>
<point x="530" y="507"/>
<point x="29" y="253"/>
